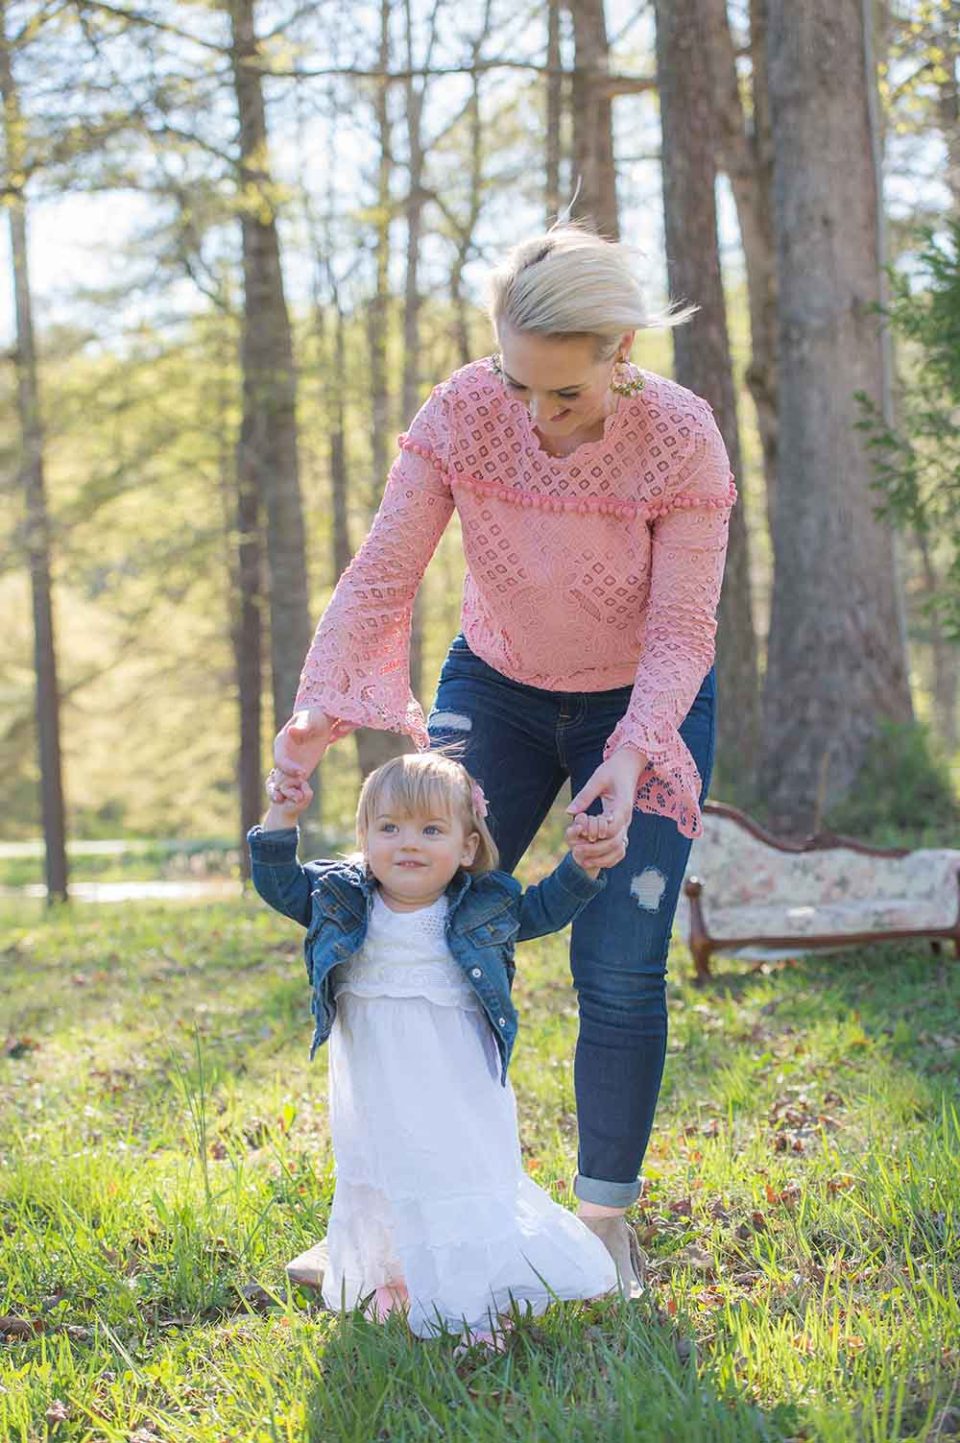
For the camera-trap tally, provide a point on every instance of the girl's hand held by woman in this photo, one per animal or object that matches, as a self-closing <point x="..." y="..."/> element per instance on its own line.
<point x="601" y="841"/>
<point x="284" y="810"/>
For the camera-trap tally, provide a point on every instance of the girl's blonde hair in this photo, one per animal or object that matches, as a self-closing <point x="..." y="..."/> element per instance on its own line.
<point x="420" y="783"/>
<point x="571" y="282"/>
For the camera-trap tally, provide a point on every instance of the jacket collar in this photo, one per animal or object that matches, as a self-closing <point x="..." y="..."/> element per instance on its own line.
<point x="355" y="887"/>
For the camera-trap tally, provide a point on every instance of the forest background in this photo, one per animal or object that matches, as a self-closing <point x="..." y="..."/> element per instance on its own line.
<point x="247" y="238"/>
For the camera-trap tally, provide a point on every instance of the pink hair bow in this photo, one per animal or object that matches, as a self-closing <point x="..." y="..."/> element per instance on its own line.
<point x="479" y="800"/>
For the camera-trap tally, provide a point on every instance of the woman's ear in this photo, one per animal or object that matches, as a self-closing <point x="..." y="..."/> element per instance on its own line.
<point x="626" y="343"/>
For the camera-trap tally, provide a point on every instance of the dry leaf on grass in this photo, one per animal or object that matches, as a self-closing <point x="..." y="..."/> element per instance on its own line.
<point x="12" y="1328"/>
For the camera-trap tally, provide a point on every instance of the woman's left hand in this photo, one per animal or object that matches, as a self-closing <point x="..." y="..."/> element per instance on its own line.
<point x="615" y="783"/>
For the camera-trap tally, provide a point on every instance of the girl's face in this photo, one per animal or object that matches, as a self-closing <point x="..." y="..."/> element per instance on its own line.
<point x="560" y="381"/>
<point x="415" y="856"/>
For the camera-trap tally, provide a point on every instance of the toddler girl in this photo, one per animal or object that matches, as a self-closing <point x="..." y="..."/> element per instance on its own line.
<point x="409" y="950"/>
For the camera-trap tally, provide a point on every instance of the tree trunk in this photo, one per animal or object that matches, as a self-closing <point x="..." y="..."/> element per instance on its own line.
<point x="268" y="444"/>
<point x="702" y="351"/>
<point x="465" y="238"/>
<point x="745" y="153"/>
<point x="247" y="636"/>
<point x="554" y="116"/>
<point x="375" y="747"/>
<point x="378" y="307"/>
<point x="836" y="658"/>
<point x="32" y="478"/>
<point x="410" y="400"/>
<point x="593" y="159"/>
<point x="243" y="565"/>
<point x="948" y="101"/>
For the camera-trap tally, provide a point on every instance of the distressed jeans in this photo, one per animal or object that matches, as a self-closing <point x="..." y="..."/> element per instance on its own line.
<point x="522" y="743"/>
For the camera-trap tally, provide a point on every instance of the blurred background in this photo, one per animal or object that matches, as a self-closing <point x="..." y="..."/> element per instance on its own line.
<point x="242" y="242"/>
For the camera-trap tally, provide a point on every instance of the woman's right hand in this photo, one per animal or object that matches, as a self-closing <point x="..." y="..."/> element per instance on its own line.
<point x="302" y="741"/>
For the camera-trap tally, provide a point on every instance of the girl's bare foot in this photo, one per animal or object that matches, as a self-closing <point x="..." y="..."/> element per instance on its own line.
<point x="387" y="1299"/>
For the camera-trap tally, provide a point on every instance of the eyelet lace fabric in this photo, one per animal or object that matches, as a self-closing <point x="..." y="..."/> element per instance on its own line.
<point x="405" y="954"/>
<point x="585" y="572"/>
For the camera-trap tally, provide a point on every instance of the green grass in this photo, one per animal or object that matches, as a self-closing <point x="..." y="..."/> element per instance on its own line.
<point x="164" y="1150"/>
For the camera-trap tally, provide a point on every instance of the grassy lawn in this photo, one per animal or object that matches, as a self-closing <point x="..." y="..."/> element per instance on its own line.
<point x="163" y="1151"/>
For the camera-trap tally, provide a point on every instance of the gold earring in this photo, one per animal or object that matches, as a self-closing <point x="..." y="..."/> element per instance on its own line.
<point x="626" y="379"/>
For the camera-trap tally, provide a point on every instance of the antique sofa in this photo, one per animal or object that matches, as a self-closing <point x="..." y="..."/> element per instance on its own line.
<point x="748" y="892"/>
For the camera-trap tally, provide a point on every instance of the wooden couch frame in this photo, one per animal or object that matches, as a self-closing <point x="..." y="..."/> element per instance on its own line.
<point x="703" y="944"/>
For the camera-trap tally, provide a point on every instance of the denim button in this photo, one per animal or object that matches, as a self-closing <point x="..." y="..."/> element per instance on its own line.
<point x="476" y="972"/>
<point x="502" y="1021"/>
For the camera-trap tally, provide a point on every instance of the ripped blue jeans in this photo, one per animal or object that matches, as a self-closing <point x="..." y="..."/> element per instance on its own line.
<point x="522" y="744"/>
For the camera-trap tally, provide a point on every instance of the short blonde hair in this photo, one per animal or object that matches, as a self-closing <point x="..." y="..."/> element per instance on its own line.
<point x="424" y="782"/>
<point x="570" y="282"/>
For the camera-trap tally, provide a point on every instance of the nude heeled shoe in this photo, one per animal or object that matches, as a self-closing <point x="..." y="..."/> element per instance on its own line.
<point x="308" y="1269"/>
<point x="620" y="1241"/>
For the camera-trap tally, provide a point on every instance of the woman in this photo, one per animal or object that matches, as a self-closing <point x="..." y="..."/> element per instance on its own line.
<point x="594" y="502"/>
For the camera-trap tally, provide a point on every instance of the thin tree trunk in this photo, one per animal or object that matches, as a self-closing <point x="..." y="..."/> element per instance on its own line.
<point x="375" y="747"/>
<point x="32" y="478"/>
<point x="247" y="637"/>
<point x="745" y="153"/>
<point x="702" y="351"/>
<point x="591" y="98"/>
<point x="837" y="661"/>
<point x="945" y="655"/>
<point x="554" y="112"/>
<point x="466" y="231"/>
<point x="948" y="101"/>
<point x="268" y="447"/>
<point x="410" y="401"/>
<point x="244" y="576"/>
<point x="378" y="307"/>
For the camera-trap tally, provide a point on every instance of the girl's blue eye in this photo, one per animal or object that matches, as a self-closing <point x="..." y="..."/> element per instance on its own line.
<point x="431" y="830"/>
<point x="388" y="827"/>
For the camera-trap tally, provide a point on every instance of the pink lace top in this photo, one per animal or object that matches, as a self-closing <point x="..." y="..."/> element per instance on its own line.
<point x="585" y="572"/>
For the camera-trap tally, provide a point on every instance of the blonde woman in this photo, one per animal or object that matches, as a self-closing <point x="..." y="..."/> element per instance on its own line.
<point x="594" y="502"/>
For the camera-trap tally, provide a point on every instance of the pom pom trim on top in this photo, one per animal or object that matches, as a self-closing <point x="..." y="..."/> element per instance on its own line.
<point x="593" y="505"/>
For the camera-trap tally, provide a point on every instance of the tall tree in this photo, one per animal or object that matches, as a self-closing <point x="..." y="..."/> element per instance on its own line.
<point x="267" y="457"/>
<point x="837" y="662"/>
<point x="592" y="105"/>
<point x="702" y="349"/>
<point x="375" y="747"/>
<point x="412" y="298"/>
<point x="32" y="478"/>
<point x="744" y="149"/>
<point x="554" y="112"/>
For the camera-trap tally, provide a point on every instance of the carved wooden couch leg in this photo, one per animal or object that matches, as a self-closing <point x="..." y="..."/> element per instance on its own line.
<point x="701" y="947"/>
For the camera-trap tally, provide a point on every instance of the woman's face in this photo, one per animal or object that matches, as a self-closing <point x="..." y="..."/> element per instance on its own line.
<point x="560" y="380"/>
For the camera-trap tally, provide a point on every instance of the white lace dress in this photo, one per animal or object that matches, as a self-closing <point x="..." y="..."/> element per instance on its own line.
<point x="430" y="1186"/>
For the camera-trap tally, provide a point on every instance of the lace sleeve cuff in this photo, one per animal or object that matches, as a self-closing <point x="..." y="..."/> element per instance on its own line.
<point x="670" y="784"/>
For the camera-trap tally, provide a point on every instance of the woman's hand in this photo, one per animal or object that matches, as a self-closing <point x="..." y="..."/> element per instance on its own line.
<point x="302" y="741"/>
<point x="598" y="842"/>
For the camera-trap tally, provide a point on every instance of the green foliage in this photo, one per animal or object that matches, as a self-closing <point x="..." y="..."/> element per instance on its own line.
<point x="917" y="463"/>
<point x="904" y="793"/>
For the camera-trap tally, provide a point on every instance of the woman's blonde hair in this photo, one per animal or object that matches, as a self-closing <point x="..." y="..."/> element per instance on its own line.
<point x="571" y="282"/>
<point x="420" y="783"/>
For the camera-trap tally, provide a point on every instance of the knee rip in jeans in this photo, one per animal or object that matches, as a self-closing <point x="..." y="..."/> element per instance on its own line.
<point x="647" y="888"/>
<point x="451" y="721"/>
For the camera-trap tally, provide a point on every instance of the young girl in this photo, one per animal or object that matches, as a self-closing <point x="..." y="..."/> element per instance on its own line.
<point x="410" y="953"/>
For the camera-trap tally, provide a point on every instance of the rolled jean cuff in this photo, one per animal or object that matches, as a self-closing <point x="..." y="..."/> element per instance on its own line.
<point x="607" y="1194"/>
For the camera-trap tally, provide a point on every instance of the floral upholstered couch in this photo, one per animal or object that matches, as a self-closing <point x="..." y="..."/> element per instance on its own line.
<point x="749" y="893"/>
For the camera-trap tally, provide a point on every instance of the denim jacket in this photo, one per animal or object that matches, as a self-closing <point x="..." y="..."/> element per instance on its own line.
<point x="487" y="915"/>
